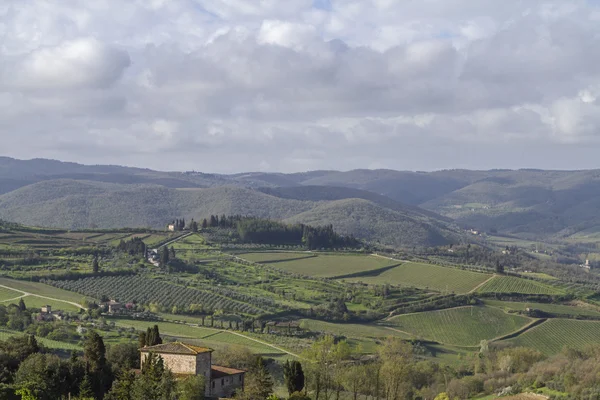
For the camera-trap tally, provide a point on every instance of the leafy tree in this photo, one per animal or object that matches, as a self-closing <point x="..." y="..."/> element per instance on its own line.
<point x="94" y="353"/>
<point x="293" y="376"/>
<point x="123" y="356"/>
<point x="22" y="305"/>
<point x="164" y="256"/>
<point x="191" y="388"/>
<point x="499" y="267"/>
<point x="85" y="388"/>
<point x="42" y="376"/>
<point x="259" y="383"/>
<point x="156" y="382"/>
<point x="95" y="265"/>
<point x="122" y="387"/>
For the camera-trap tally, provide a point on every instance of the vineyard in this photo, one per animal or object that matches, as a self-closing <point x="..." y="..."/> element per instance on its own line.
<point x="545" y="307"/>
<point x="555" y="334"/>
<point x="146" y="290"/>
<point x="465" y="326"/>
<point x="319" y="265"/>
<point x="509" y="284"/>
<point x="428" y="276"/>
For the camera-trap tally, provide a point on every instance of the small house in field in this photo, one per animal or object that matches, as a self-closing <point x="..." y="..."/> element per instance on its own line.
<point x="185" y="359"/>
<point x="114" y="307"/>
<point x="288" y="328"/>
<point x="46" y="314"/>
<point x="171" y="227"/>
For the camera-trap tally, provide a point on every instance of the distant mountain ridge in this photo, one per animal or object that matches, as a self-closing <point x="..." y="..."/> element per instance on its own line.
<point x="529" y="203"/>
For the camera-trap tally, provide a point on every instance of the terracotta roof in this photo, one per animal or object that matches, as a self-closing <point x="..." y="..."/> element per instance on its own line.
<point x="216" y="371"/>
<point x="176" y="348"/>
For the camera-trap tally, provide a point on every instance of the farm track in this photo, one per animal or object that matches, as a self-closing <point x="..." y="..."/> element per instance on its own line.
<point x="217" y="331"/>
<point x="175" y="240"/>
<point x="25" y="294"/>
<point x="518" y="332"/>
<point x="481" y="284"/>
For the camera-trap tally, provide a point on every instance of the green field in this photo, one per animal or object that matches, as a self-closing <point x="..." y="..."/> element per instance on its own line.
<point x="550" y="308"/>
<point x="555" y="334"/>
<point x="428" y="276"/>
<point x="38" y="302"/>
<point x="350" y="330"/>
<point x="210" y="337"/>
<point x="51" y="344"/>
<point x="510" y="284"/>
<point x="42" y="290"/>
<point x="319" y="265"/>
<point x="464" y="326"/>
<point x="6" y="294"/>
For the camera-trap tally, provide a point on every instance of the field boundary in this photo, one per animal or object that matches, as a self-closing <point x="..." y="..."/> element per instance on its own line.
<point x="372" y="272"/>
<point x="25" y="294"/>
<point x="481" y="284"/>
<point x="524" y="329"/>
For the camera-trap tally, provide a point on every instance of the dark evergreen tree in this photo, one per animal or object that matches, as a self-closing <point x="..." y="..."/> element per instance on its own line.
<point x="95" y="265"/>
<point x="94" y="353"/>
<point x="204" y="223"/>
<point x="293" y="376"/>
<point x="22" y="306"/>
<point x="164" y="257"/>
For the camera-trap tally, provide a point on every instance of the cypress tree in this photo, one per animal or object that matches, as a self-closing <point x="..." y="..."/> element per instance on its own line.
<point x="22" y="305"/>
<point x="95" y="265"/>
<point x="293" y="376"/>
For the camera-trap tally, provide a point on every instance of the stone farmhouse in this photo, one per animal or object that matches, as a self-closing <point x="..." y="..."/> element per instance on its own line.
<point x="184" y="359"/>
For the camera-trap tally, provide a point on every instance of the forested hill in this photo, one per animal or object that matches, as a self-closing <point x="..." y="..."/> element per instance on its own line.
<point x="83" y="204"/>
<point x="528" y="203"/>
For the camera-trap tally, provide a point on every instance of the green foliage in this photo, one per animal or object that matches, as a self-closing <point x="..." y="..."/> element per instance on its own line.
<point x="293" y="376"/>
<point x="464" y="326"/>
<point x="191" y="388"/>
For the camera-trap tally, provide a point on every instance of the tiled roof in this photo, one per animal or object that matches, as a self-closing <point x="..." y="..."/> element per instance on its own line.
<point x="176" y="348"/>
<point x="216" y="371"/>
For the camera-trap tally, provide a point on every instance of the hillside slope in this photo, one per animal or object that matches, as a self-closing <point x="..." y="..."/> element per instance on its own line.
<point x="366" y="220"/>
<point x="81" y="204"/>
<point x="84" y="204"/>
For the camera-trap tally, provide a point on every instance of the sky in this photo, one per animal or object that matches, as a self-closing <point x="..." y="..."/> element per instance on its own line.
<point x="295" y="85"/>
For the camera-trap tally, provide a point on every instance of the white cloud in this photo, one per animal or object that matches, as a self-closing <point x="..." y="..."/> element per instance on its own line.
<point x="284" y="85"/>
<point x="80" y="63"/>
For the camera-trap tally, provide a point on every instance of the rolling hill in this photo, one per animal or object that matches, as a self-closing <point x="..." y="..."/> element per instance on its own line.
<point x="532" y="204"/>
<point x="67" y="203"/>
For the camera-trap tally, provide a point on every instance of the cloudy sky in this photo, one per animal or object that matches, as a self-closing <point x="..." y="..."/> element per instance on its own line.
<point x="294" y="85"/>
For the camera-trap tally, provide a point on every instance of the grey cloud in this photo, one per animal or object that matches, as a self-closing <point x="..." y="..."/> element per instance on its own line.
<point x="279" y="85"/>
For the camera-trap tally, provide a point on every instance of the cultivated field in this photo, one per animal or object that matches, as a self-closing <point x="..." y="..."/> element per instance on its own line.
<point x="510" y="284"/>
<point x="52" y="344"/>
<point x="6" y="294"/>
<point x="428" y="276"/>
<point x="555" y="334"/>
<point x="41" y="289"/>
<point x="146" y="290"/>
<point x="351" y="330"/>
<point x="464" y="326"/>
<point x="320" y="265"/>
<point x="210" y="337"/>
<point x="38" y="302"/>
<point x="549" y="308"/>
